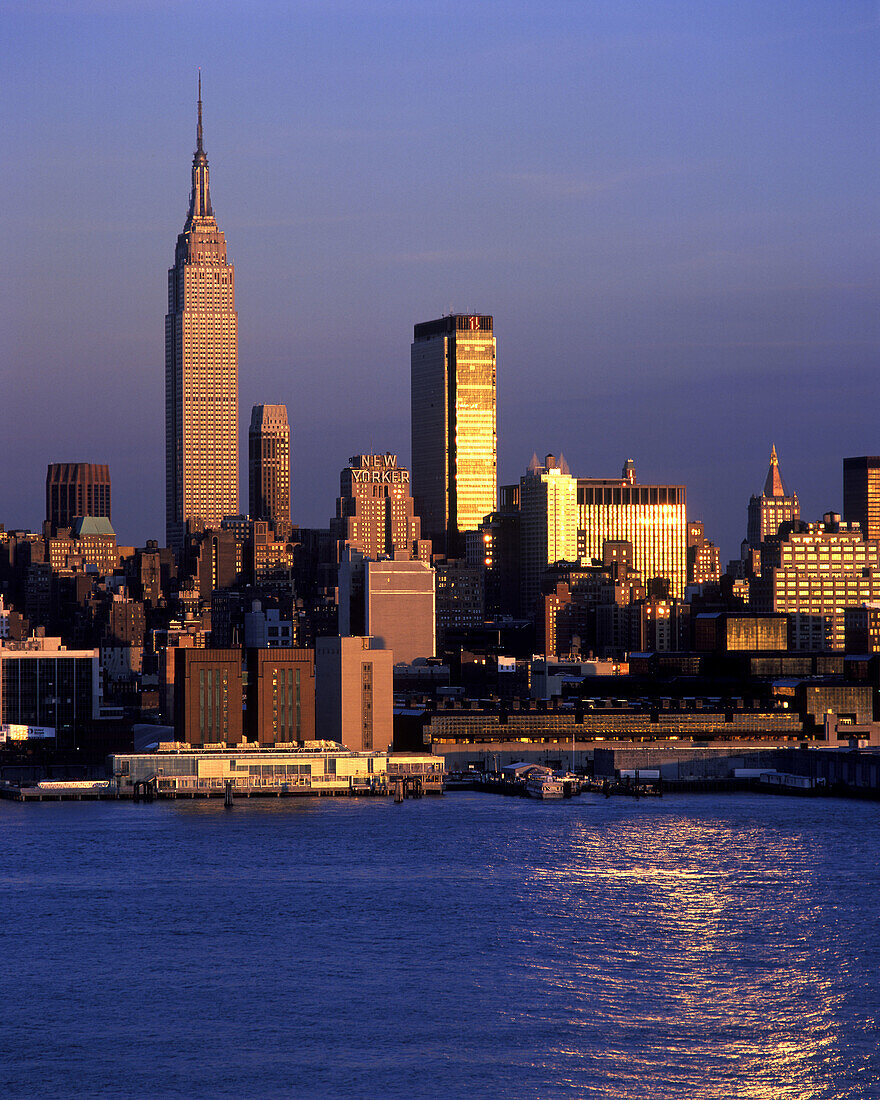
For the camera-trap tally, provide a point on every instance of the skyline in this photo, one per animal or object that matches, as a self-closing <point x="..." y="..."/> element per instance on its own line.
<point x="672" y="214"/>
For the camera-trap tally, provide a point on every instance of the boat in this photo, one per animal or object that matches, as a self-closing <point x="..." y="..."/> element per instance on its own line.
<point x="545" y="786"/>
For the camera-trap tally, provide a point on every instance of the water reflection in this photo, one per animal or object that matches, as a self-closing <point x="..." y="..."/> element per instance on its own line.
<point x="694" y="954"/>
<point x="461" y="947"/>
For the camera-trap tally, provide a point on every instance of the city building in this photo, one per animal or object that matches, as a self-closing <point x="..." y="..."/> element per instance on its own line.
<point x="589" y="608"/>
<point x="269" y="467"/>
<point x="265" y="628"/>
<point x="91" y="542"/>
<point x="176" y="771"/>
<point x="201" y="368"/>
<point x="495" y="547"/>
<point x="354" y="693"/>
<point x="399" y="608"/>
<point x="44" y="684"/>
<point x="730" y="632"/>
<point x="862" y="628"/>
<point x="704" y="557"/>
<point x="269" y="558"/>
<point x="208" y="696"/>
<point x="453" y="425"/>
<point x="459" y="597"/>
<point x="280" y="696"/>
<point x="813" y="574"/>
<point x="773" y="508"/>
<point x="375" y="513"/>
<point x="861" y="494"/>
<point x="548" y="524"/>
<point x="652" y="518"/>
<point x="375" y="518"/>
<point x="210" y="559"/>
<point x="76" y="489"/>
<point x="12" y="625"/>
<point x="192" y="633"/>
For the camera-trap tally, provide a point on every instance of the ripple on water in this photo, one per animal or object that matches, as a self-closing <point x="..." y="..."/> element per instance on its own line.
<point x="463" y="947"/>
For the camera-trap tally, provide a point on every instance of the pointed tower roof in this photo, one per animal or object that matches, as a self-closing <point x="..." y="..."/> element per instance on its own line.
<point x="774" y="485"/>
<point x="200" y="197"/>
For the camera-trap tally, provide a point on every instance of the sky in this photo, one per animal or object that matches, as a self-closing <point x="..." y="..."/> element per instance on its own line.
<point x="670" y="209"/>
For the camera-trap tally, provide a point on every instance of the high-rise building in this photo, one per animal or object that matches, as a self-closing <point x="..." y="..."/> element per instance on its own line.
<point x="269" y="466"/>
<point x="861" y="494"/>
<point x="774" y="507"/>
<point x="201" y="368"/>
<point x="454" y="444"/>
<point x="652" y="518"/>
<point x="548" y="523"/>
<point x="375" y="513"/>
<point x="76" y="489"/>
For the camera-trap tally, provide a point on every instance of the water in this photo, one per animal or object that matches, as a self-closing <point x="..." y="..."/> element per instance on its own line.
<point x="470" y="946"/>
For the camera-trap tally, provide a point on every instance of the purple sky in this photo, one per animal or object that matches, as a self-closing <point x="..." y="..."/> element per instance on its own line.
<point x="671" y="210"/>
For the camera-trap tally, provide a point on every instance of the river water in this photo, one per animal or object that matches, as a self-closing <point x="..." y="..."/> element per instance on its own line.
<point x="723" y="946"/>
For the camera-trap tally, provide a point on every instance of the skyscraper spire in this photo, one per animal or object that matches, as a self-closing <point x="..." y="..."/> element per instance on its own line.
<point x="200" y="200"/>
<point x="201" y="367"/>
<point x="199" y="146"/>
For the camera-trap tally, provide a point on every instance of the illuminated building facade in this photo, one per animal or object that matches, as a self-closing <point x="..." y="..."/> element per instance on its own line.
<point x="375" y="514"/>
<point x="651" y="518"/>
<point x="861" y="494"/>
<point x="201" y="369"/>
<point x="269" y="467"/>
<point x="280" y="696"/>
<point x="76" y="489"/>
<point x="454" y="445"/>
<point x="814" y="574"/>
<point x="548" y="523"/>
<point x="774" y="507"/>
<point x="208" y="696"/>
<point x="92" y="542"/>
<point x="704" y="557"/>
<point x="354" y="693"/>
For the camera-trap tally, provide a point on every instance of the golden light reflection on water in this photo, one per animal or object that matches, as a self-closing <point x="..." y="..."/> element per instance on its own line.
<point x="684" y="962"/>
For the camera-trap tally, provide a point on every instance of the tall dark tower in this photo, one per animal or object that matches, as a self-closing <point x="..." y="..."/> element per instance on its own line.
<point x="454" y="441"/>
<point x="269" y="466"/>
<point x="861" y="494"/>
<point x="201" y="368"/>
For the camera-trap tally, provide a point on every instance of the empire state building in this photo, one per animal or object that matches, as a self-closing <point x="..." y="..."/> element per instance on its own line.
<point x="201" y="368"/>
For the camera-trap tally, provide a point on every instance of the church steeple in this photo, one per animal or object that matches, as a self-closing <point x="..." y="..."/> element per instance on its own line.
<point x="200" y="199"/>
